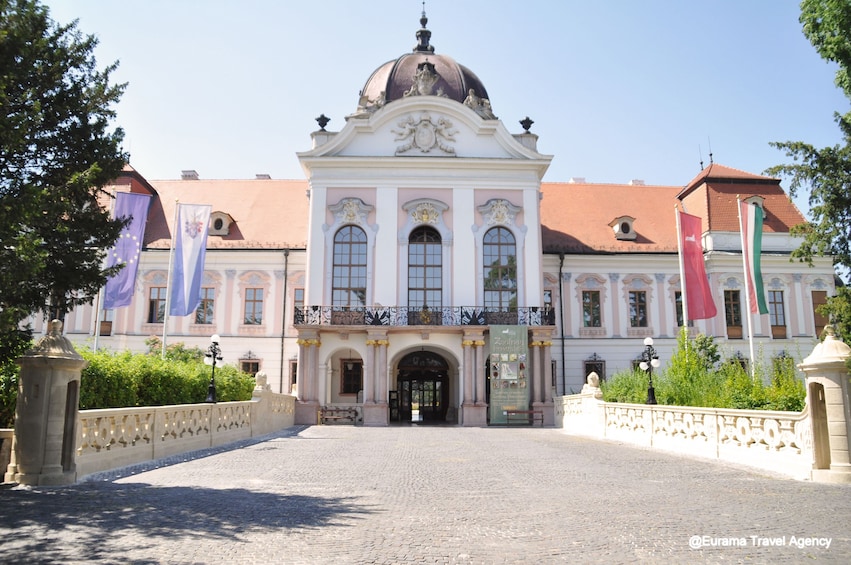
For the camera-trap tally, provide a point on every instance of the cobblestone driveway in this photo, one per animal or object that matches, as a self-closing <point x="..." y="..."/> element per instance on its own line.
<point x="343" y="494"/>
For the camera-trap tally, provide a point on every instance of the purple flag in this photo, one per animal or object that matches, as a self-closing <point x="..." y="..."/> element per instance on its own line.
<point x="118" y="291"/>
<point x="192" y="223"/>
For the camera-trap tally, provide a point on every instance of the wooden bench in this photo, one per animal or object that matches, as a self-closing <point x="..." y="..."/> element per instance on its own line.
<point x="524" y="417"/>
<point x="325" y="415"/>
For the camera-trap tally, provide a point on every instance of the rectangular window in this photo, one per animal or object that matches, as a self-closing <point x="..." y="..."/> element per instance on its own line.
<point x="637" y="309"/>
<point x="156" y="305"/>
<point x="204" y="313"/>
<point x="733" y="314"/>
<point x="106" y="322"/>
<point x="595" y="366"/>
<point x="351" y="376"/>
<point x="250" y="366"/>
<point x="777" y="314"/>
<point x="820" y="320"/>
<point x="253" y="306"/>
<point x="591" y="309"/>
<point x="678" y="304"/>
<point x="298" y="298"/>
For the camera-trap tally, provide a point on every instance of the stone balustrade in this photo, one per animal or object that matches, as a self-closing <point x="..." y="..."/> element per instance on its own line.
<point x="117" y="437"/>
<point x="776" y="441"/>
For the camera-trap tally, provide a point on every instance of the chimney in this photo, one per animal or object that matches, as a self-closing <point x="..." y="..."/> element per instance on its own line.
<point x="636" y="182"/>
<point x="263" y="176"/>
<point x="190" y="174"/>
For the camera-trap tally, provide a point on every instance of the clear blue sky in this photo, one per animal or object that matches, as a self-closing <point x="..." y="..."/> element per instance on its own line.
<point x="618" y="89"/>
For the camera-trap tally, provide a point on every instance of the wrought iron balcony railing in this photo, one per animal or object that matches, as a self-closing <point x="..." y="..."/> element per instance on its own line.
<point x="407" y="316"/>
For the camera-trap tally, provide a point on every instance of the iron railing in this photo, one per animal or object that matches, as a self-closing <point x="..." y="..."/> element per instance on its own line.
<point x="408" y="316"/>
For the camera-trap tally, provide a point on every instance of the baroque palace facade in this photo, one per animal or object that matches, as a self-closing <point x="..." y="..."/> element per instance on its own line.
<point x="425" y="271"/>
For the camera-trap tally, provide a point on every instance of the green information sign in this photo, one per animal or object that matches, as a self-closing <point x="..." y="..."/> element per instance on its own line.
<point x="509" y="383"/>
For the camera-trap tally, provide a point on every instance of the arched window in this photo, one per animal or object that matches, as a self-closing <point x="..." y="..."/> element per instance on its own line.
<point x="425" y="269"/>
<point x="500" y="263"/>
<point x="349" y="270"/>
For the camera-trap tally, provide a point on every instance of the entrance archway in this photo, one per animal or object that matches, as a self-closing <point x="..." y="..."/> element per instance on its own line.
<point x="423" y="385"/>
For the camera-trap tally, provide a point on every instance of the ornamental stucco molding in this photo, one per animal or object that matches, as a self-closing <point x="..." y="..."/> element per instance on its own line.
<point x="351" y="211"/>
<point x="425" y="212"/>
<point x="424" y="134"/>
<point x="498" y="211"/>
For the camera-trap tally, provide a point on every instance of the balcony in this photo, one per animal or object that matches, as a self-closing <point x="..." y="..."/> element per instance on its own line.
<point x="406" y="316"/>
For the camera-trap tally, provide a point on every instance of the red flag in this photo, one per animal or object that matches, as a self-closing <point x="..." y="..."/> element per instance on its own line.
<point x="698" y="293"/>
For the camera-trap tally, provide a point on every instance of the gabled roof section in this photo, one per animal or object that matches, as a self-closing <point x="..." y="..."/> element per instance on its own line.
<point x="720" y="174"/>
<point x="714" y="192"/>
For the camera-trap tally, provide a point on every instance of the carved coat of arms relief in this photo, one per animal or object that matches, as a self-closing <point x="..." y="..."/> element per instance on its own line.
<point x="424" y="134"/>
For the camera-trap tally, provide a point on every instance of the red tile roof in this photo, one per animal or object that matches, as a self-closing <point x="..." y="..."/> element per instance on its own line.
<point x="575" y="217"/>
<point x="267" y="214"/>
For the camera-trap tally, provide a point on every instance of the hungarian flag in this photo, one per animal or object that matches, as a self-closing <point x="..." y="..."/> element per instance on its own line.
<point x="698" y="293"/>
<point x="751" y="219"/>
<point x="191" y="233"/>
<point x="119" y="288"/>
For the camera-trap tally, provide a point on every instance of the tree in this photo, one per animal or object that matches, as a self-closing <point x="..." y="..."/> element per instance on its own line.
<point x="826" y="172"/>
<point x="57" y="153"/>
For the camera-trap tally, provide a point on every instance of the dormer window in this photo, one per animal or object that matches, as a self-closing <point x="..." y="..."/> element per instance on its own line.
<point x="758" y="201"/>
<point x="220" y="223"/>
<point x="623" y="228"/>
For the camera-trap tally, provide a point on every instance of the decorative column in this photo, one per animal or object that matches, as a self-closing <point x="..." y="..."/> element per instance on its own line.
<point x="542" y="367"/>
<point x="479" y="361"/>
<point x="615" y="305"/>
<point x="829" y="409"/>
<point x="660" y="300"/>
<point x="474" y="410"/>
<point x="44" y="448"/>
<point x="467" y="347"/>
<point x="308" y="369"/>
<point x="376" y="410"/>
<point x="369" y="380"/>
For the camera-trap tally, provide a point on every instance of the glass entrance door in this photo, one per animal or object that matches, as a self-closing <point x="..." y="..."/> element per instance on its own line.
<point x="423" y="388"/>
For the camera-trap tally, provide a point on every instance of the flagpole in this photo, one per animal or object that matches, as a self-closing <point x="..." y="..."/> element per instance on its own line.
<point x="747" y="288"/>
<point x="683" y="296"/>
<point x="174" y="230"/>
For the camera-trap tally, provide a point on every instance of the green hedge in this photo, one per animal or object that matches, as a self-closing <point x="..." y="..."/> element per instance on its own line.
<point x="119" y="380"/>
<point x="695" y="376"/>
<point x="123" y="379"/>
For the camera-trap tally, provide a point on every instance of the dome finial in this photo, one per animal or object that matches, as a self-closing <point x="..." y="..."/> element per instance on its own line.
<point x="423" y="35"/>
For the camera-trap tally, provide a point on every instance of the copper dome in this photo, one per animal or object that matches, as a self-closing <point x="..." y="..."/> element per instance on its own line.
<point x="422" y="72"/>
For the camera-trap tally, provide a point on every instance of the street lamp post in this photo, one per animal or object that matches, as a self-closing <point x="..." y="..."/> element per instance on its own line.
<point x="214" y="353"/>
<point x="649" y="361"/>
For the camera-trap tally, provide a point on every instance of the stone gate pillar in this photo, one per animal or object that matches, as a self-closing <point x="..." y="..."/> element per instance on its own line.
<point x="829" y="409"/>
<point x="46" y="412"/>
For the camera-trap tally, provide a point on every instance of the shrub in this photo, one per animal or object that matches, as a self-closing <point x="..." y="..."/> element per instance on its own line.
<point x="123" y="379"/>
<point x="694" y="377"/>
<point x="625" y="386"/>
<point x="8" y="393"/>
<point x="105" y="381"/>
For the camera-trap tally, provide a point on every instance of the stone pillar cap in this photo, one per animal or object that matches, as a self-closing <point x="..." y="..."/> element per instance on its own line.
<point x="831" y="350"/>
<point x="54" y="344"/>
